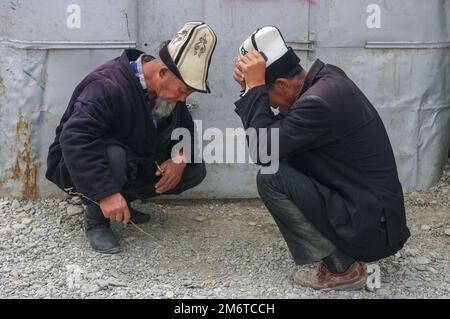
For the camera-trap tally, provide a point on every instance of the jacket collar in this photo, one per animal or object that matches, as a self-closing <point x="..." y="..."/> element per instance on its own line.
<point x="312" y="75"/>
<point x="139" y="71"/>
<point x="124" y="61"/>
<point x="129" y="55"/>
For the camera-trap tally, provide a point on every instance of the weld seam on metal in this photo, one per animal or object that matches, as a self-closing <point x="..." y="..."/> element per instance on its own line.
<point x="67" y="45"/>
<point x="406" y="45"/>
<point x="424" y="107"/>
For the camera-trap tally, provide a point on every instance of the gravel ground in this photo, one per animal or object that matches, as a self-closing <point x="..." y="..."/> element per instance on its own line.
<point x="201" y="249"/>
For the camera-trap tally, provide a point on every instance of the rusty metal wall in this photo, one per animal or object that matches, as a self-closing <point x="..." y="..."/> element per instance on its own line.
<point x="403" y="67"/>
<point x="41" y="62"/>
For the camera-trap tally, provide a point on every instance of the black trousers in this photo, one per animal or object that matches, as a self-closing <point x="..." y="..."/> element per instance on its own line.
<point x="286" y="194"/>
<point x="138" y="181"/>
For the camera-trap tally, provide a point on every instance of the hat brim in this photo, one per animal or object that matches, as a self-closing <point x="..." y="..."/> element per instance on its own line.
<point x="282" y="66"/>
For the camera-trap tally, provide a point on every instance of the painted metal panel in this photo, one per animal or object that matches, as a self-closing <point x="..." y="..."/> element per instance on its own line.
<point x="41" y="61"/>
<point x="403" y="67"/>
<point x="344" y="23"/>
<point x="410" y="89"/>
<point x="233" y="21"/>
<point x="37" y="20"/>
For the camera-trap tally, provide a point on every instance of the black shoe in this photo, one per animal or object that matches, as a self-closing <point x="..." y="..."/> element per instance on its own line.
<point x="137" y="217"/>
<point x="98" y="231"/>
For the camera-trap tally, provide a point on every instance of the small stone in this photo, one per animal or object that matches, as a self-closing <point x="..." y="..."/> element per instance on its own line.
<point x="199" y="219"/>
<point x="420" y="267"/>
<point x="434" y="284"/>
<point x="90" y="289"/>
<point x="5" y="231"/>
<point x="398" y="255"/>
<point x="75" y="200"/>
<point x="74" y="210"/>
<point x="447" y="232"/>
<point x="102" y="283"/>
<point x="412" y="284"/>
<point x="432" y="270"/>
<point x="116" y="283"/>
<point x="194" y="286"/>
<point x="18" y="226"/>
<point x="170" y="295"/>
<point x="425" y="227"/>
<point x="92" y="275"/>
<point x="28" y="206"/>
<point x="252" y="223"/>
<point x="47" y="268"/>
<point x="423" y="261"/>
<point x="382" y="292"/>
<point x="420" y="201"/>
<point x="15" y="204"/>
<point x="41" y="292"/>
<point x="126" y="270"/>
<point x="163" y="272"/>
<point x="411" y="252"/>
<point x="130" y="239"/>
<point x="27" y="221"/>
<point x="4" y="203"/>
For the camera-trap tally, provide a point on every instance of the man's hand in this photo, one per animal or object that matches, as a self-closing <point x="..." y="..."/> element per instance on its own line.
<point x="173" y="171"/>
<point x="238" y="76"/>
<point x="115" y="207"/>
<point x="253" y="66"/>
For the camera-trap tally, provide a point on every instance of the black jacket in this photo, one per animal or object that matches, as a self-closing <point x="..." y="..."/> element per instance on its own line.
<point x="335" y="136"/>
<point x="108" y="106"/>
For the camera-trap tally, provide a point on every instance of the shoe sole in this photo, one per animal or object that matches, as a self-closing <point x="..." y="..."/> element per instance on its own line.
<point x="357" y="285"/>
<point x="111" y="251"/>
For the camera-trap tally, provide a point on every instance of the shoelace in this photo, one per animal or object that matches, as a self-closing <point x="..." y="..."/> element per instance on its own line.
<point x="321" y="271"/>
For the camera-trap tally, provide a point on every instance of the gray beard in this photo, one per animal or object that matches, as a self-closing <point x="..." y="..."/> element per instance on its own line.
<point x="163" y="108"/>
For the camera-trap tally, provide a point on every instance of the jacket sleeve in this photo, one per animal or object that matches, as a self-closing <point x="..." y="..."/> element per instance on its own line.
<point x="82" y="146"/>
<point x="306" y="126"/>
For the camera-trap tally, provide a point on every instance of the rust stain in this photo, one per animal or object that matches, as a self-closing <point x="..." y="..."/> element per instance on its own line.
<point x="24" y="170"/>
<point x="44" y="79"/>
<point x="397" y="75"/>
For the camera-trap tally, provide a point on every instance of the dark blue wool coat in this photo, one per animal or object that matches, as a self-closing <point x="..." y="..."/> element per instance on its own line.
<point x="109" y="106"/>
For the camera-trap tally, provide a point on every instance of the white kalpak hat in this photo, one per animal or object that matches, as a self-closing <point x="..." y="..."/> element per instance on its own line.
<point x="280" y="59"/>
<point x="188" y="55"/>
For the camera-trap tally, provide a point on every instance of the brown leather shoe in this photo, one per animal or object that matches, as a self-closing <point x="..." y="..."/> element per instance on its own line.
<point x="321" y="278"/>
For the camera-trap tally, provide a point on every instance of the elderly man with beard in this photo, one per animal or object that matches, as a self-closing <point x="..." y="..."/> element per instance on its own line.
<point x="113" y="144"/>
<point x="336" y="197"/>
